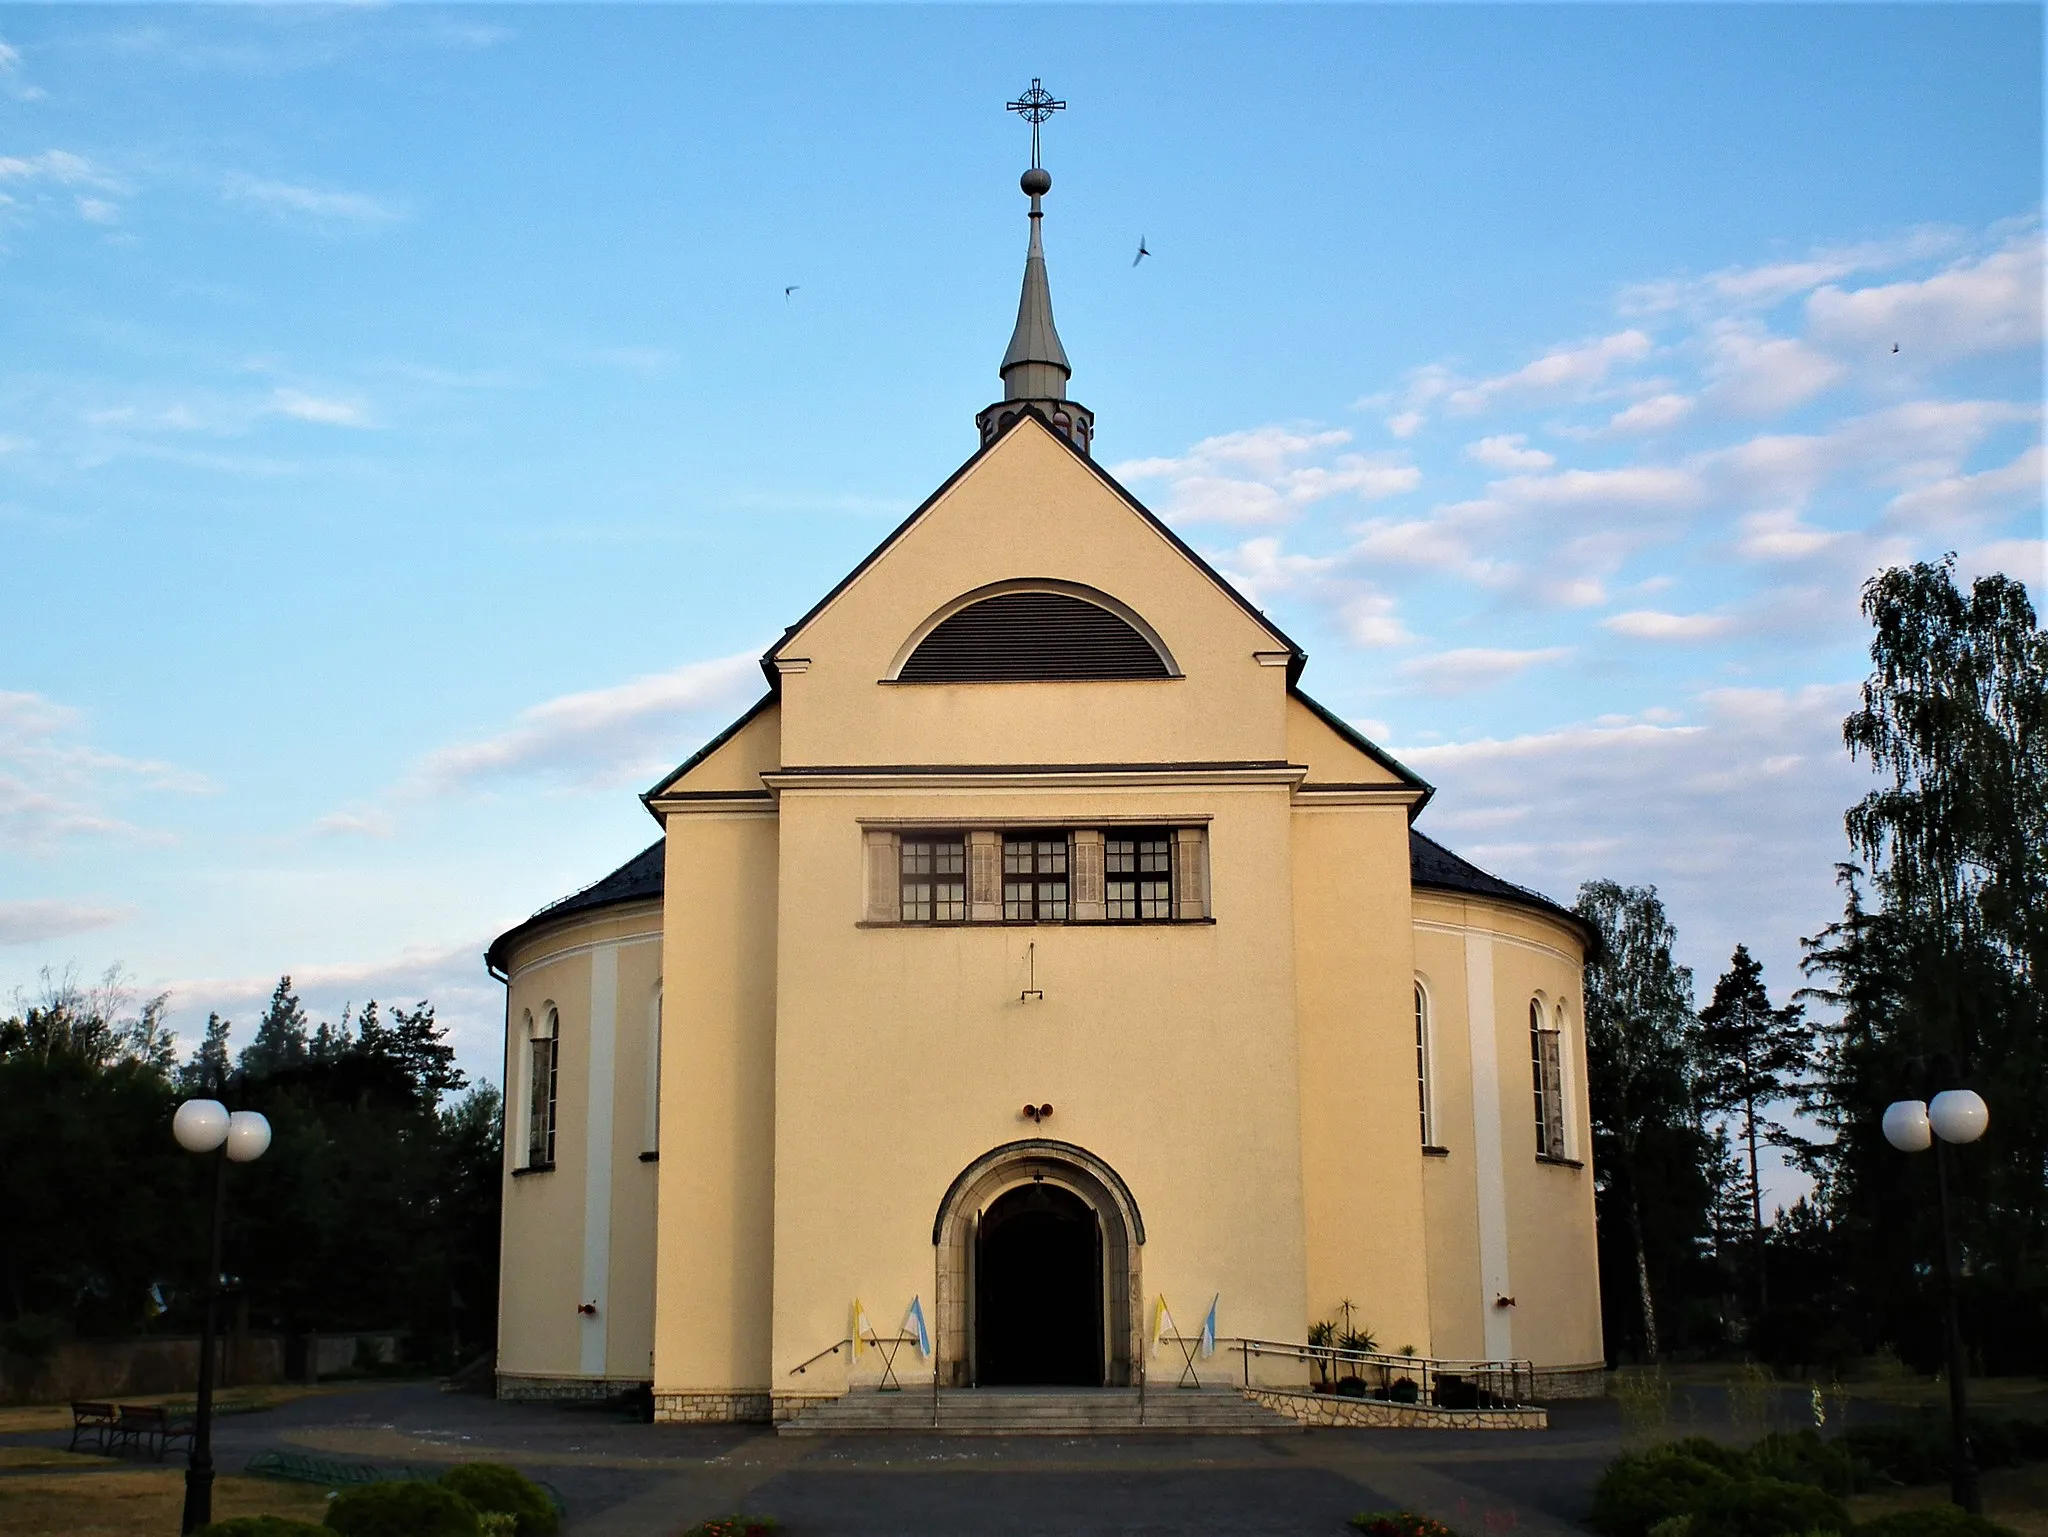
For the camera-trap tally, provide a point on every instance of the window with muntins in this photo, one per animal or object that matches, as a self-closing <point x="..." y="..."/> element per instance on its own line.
<point x="1137" y="876"/>
<point x="545" y="1052"/>
<point x="1546" y="1074"/>
<point x="933" y="874"/>
<point x="1035" y="878"/>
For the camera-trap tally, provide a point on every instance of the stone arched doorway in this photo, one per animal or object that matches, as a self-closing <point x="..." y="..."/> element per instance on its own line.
<point x="1081" y="1182"/>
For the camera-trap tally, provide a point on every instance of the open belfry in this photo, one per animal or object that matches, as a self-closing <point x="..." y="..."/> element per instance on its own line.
<point x="1037" y="988"/>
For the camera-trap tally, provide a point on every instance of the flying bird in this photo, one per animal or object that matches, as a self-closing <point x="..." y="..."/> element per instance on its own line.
<point x="793" y="287"/>
<point x="1895" y="346"/>
<point x="1142" y="252"/>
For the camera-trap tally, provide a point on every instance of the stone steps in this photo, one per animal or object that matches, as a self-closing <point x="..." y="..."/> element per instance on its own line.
<point x="1040" y="1412"/>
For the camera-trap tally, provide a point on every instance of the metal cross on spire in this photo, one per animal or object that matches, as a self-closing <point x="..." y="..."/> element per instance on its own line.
<point x="1035" y="106"/>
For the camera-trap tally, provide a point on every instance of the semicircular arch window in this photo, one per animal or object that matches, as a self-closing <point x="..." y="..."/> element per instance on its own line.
<point x="1032" y="637"/>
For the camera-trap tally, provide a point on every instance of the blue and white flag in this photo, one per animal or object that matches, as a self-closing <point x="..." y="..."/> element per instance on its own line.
<point x="1209" y="1327"/>
<point x="913" y="1325"/>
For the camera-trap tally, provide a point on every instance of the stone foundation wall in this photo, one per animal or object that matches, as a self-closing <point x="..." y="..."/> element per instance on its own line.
<point x="1554" y="1382"/>
<point x="714" y="1408"/>
<point x="511" y="1385"/>
<point x="1334" y="1410"/>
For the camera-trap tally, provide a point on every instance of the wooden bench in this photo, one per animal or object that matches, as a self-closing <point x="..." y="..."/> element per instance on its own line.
<point x="96" y="1420"/>
<point x="151" y="1428"/>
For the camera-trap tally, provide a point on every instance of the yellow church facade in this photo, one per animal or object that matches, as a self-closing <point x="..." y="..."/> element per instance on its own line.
<point x="1036" y="951"/>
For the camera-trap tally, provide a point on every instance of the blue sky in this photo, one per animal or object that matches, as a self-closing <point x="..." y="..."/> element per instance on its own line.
<point x="406" y="443"/>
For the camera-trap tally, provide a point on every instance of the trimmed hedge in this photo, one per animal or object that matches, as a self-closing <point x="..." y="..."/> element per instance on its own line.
<point x="494" y="1489"/>
<point x="402" y="1510"/>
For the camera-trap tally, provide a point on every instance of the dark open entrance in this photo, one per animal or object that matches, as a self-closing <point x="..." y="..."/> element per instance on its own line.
<point x="1038" y="1290"/>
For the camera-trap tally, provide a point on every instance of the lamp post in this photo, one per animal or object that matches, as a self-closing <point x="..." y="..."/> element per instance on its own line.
<point x="1912" y="1126"/>
<point x="205" y="1126"/>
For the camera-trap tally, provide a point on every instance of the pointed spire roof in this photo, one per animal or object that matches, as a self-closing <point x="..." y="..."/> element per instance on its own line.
<point x="1035" y="367"/>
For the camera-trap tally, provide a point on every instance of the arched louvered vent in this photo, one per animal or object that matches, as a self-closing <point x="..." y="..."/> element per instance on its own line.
<point x="1021" y="637"/>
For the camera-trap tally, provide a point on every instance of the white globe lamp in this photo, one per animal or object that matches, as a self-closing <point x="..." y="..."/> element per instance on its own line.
<point x="1958" y="1115"/>
<point x="1906" y="1126"/>
<point x="248" y="1135"/>
<point x="200" y="1125"/>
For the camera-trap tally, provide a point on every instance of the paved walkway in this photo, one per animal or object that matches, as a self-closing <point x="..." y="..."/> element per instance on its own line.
<point x="621" y="1479"/>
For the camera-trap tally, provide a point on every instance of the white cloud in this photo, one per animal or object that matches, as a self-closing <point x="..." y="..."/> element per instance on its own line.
<point x="2025" y="560"/>
<point x="1756" y="373"/>
<point x="1960" y="500"/>
<point x="1267" y="475"/>
<point x="1655" y="414"/>
<point x="311" y="203"/>
<point x="1405" y="424"/>
<point x="371" y="822"/>
<point x="1653" y="624"/>
<point x="1505" y="451"/>
<point x="14" y="77"/>
<point x="1780" y="535"/>
<point x="1472" y="668"/>
<point x="54" y="788"/>
<point x="1565" y="368"/>
<point x="24" y="923"/>
<point x="56" y="165"/>
<point x="1770" y="283"/>
<point x="1985" y="304"/>
<point x="300" y="406"/>
<point x="601" y="736"/>
<point x="1371" y="618"/>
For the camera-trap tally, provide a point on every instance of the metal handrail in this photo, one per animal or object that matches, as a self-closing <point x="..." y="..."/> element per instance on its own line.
<point x="1433" y="1377"/>
<point x="829" y="1350"/>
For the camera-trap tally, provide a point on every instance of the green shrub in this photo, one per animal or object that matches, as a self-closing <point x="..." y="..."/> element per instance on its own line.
<point x="402" y="1510"/>
<point x="261" y="1526"/>
<point x="1934" y="1521"/>
<point x="1804" y="1458"/>
<point x="498" y="1490"/>
<point x="1399" y="1523"/>
<point x="1635" y="1493"/>
<point x="1906" y="1451"/>
<point x="1731" y="1460"/>
<point x="1768" y="1507"/>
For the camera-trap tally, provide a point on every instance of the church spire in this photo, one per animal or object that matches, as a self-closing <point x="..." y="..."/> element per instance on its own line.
<point x="1035" y="369"/>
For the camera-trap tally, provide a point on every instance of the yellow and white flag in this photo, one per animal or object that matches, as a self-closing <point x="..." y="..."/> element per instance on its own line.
<point x="1162" y="1321"/>
<point x="863" y="1331"/>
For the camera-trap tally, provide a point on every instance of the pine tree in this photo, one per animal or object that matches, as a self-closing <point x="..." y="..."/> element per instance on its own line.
<point x="1752" y="1056"/>
<point x="207" y="1071"/>
<point x="281" y="1041"/>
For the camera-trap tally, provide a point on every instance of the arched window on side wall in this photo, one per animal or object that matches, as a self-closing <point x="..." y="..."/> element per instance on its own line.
<point x="544" y="1054"/>
<point x="1546" y="1073"/>
<point x="1422" y="1095"/>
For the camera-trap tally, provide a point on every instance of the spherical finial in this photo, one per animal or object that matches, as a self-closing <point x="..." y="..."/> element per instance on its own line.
<point x="1036" y="182"/>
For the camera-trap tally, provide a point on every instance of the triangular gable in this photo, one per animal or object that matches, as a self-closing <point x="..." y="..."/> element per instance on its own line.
<point x="1297" y="658"/>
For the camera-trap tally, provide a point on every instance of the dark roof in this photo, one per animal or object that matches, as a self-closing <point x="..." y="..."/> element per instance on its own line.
<point x="1435" y="867"/>
<point x="1372" y="750"/>
<point x="637" y="880"/>
<point x="1430" y="865"/>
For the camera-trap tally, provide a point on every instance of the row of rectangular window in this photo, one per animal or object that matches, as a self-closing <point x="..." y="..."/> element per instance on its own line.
<point x="1037" y="872"/>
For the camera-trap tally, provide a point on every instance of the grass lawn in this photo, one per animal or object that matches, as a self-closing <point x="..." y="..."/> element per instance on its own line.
<point x="128" y="1501"/>
<point x="2015" y="1497"/>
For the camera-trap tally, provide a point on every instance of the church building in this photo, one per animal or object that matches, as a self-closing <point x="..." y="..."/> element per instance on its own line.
<point x="1032" y="977"/>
